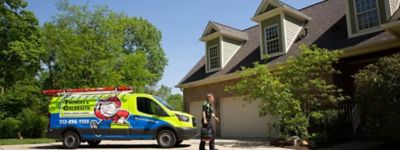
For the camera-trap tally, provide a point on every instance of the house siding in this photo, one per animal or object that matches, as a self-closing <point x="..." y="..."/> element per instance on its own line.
<point x="269" y="22"/>
<point x="394" y="5"/>
<point x="353" y="25"/>
<point x="230" y="47"/>
<point x="292" y="29"/>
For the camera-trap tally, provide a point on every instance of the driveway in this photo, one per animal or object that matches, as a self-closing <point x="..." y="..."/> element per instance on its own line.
<point x="221" y="144"/>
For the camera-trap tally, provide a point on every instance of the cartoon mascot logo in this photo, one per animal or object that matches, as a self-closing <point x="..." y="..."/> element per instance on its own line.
<point x="110" y="110"/>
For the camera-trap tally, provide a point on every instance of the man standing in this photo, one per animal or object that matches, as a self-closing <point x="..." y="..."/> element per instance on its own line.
<point x="207" y="115"/>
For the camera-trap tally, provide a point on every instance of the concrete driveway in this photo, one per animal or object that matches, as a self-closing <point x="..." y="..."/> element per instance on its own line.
<point x="221" y="144"/>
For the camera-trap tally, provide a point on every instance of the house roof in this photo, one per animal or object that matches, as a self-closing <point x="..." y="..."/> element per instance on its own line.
<point x="226" y="30"/>
<point x="396" y="16"/>
<point x="327" y="29"/>
<point x="261" y="10"/>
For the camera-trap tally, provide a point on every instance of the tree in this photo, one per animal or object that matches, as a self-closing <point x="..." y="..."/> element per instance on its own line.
<point x="19" y="43"/>
<point x="165" y="92"/>
<point x="176" y="100"/>
<point x="99" y="48"/>
<point x="377" y="89"/>
<point x="20" y="53"/>
<point x="298" y="93"/>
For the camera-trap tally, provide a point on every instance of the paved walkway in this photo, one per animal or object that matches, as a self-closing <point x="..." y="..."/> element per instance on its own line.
<point x="355" y="145"/>
<point x="221" y="144"/>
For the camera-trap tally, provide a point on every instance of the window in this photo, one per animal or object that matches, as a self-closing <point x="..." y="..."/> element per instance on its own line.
<point x="271" y="39"/>
<point x="367" y="14"/>
<point x="147" y="106"/>
<point x="213" y="57"/>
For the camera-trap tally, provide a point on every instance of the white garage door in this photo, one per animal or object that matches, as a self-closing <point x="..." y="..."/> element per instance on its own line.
<point x="195" y="110"/>
<point x="241" y="120"/>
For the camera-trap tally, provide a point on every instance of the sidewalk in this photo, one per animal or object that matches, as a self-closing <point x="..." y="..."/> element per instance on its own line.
<point x="355" y="145"/>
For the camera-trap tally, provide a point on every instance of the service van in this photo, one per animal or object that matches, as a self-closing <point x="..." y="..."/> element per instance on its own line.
<point x="94" y="114"/>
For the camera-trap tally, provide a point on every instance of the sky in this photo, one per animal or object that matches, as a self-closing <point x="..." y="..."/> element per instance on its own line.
<point x="181" y="23"/>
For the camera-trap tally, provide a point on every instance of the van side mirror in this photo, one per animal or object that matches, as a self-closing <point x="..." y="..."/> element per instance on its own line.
<point x="160" y="111"/>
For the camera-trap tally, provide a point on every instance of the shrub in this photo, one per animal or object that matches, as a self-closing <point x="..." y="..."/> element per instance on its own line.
<point x="377" y="90"/>
<point x="298" y="92"/>
<point x="33" y="124"/>
<point x="9" y="128"/>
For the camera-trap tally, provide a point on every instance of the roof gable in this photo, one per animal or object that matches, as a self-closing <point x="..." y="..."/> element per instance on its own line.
<point x="266" y="5"/>
<point x="214" y="29"/>
<point x="269" y="8"/>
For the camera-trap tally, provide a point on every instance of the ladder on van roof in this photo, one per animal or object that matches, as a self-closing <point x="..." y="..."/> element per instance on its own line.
<point x="88" y="91"/>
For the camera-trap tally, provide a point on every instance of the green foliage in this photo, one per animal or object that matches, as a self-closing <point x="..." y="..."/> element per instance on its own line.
<point x="33" y="125"/>
<point x="10" y="127"/>
<point x="24" y="94"/>
<point x="320" y="137"/>
<point x="298" y="92"/>
<point x="25" y="141"/>
<point x="20" y="53"/>
<point x="20" y="47"/>
<point x="87" y="48"/>
<point x="78" y="48"/>
<point x="176" y="100"/>
<point x="165" y="92"/>
<point x="377" y="93"/>
<point x="24" y="106"/>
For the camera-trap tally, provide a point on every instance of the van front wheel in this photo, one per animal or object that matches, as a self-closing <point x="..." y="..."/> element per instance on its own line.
<point x="71" y="140"/>
<point x="166" y="139"/>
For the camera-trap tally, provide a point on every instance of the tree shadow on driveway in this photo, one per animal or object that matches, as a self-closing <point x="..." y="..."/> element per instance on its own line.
<point x="244" y="143"/>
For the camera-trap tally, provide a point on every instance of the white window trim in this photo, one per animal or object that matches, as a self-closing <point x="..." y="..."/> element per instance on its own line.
<point x="367" y="30"/>
<point x="264" y="50"/>
<point x="208" y="63"/>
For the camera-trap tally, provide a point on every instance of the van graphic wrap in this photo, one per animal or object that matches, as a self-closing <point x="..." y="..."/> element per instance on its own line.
<point x="77" y="107"/>
<point x="110" y="114"/>
<point x="114" y="115"/>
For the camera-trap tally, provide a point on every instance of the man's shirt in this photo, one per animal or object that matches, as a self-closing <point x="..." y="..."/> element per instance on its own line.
<point x="207" y="108"/>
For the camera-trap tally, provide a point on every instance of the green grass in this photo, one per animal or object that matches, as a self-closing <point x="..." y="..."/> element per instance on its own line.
<point x="25" y="141"/>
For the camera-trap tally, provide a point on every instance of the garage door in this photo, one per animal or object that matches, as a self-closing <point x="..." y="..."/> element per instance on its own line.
<point x="241" y="120"/>
<point x="195" y="110"/>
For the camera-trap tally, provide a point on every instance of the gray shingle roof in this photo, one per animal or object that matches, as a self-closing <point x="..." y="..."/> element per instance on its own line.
<point x="229" y="31"/>
<point x="396" y="16"/>
<point x="327" y="29"/>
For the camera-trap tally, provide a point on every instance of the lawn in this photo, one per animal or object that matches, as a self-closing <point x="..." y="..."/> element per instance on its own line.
<point x="25" y="141"/>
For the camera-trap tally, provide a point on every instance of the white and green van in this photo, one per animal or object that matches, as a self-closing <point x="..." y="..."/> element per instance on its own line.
<point x="94" y="115"/>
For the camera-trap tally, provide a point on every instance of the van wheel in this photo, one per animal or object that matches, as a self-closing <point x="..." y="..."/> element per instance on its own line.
<point x="166" y="139"/>
<point x="94" y="143"/>
<point x="178" y="142"/>
<point x="71" y="140"/>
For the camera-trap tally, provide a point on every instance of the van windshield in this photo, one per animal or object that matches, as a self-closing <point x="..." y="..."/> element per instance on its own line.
<point x="163" y="102"/>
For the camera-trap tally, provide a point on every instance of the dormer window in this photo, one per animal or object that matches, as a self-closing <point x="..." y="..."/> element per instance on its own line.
<point x="272" y="40"/>
<point x="279" y="24"/>
<point x="221" y="42"/>
<point x="367" y="14"/>
<point x="213" y="58"/>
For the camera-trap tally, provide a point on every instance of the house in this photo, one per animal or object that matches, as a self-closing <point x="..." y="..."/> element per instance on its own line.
<point x="364" y="29"/>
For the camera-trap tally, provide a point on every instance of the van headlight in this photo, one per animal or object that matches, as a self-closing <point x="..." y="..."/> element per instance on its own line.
<point x="182" y="118"/>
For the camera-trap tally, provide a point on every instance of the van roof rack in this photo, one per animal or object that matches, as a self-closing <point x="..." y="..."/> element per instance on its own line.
<point x="89" y="91"/>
